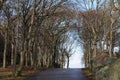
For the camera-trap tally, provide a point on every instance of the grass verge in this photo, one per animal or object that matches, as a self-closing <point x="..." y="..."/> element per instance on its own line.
<point x="88" y="74"/>
<point x="6" y="73"/>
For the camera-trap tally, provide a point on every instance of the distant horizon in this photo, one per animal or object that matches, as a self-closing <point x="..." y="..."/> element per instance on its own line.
<point x="76" y="60"/>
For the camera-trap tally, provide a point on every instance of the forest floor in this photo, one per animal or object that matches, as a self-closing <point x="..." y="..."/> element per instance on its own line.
<point x="88" y="74"/>
<point x="6" y="73"/>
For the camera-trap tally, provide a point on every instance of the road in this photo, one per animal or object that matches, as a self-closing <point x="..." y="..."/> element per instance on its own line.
<point x="59" y="74"/>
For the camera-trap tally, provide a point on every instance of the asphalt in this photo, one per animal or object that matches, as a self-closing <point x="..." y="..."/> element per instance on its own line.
<point x="59" y="74"/>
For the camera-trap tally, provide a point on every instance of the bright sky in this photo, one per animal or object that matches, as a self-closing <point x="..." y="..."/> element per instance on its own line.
<point x="76" y="60"/>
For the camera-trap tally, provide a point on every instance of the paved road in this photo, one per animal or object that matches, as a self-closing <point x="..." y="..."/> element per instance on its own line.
<point x="59" y="74"/>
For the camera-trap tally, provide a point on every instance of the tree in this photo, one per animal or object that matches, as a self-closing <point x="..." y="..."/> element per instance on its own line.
<point x="95" y="20"/>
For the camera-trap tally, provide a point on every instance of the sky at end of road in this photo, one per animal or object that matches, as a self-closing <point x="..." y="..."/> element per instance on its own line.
<point x="76" y="60"/>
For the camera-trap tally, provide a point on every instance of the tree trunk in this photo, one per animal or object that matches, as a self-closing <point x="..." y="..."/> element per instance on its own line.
<point x="12" y="55"/>
<point x="19" y="71"/>
<point x="5" y="50"/>
<point x="68" y="61"/>
<point x="34" y="55"/>
<point x="22" y="53"/>
<point x="90" y="56"/>
<point x="111" y="42"/>
<point x="26" y="59"/>
<point x="119" y="44"/>
<point x="31" y="59"/>
<point x="14" y="62"/>
<point x="39" y="57"/>
<point x="95" y="46"/>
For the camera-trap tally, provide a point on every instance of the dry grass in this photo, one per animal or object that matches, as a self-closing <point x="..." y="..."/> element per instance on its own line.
<point x="87" y="73"/>
<point x="113" y="73"/>
<point x="6" y="73"/>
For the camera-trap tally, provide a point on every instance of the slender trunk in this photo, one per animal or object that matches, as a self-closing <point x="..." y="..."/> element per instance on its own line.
<point x="89" y="53"/>
<point x="14" y="62"/>
<point x="21" y="60"/>
<point x="48" y="62"/>
<point x="39" y="57"/>
<point x="12" y="51"/>
<point x="91" y="61"/>
<point x="95" y="46"/>
<point x="34" y="55"/>
<point x="30" y="45"/>
<point x="85" y="56"/>
<point x="54" y="56"/>
<point x="87" y="59"/>
<point x="31" y="59"/>
<point x="26" y="59"/>
<point x="44" y="59"/>
<point x="68" y="60"/>
<point x="5" y="51"/>
<point x="111" y="41"/>
<point x="12" y="55"/>
<point x="62" y="59"/>
<point x="21" y="63"/>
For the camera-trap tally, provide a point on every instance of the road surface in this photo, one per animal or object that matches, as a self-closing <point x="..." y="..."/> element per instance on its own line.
<point x="59" y="74"/>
